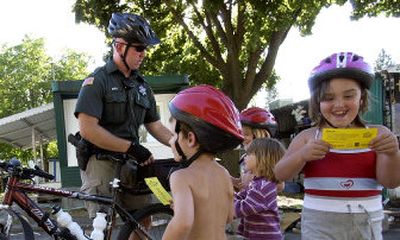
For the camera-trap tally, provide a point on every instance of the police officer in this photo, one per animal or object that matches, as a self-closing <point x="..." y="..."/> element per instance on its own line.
<point x="114" y="102"/>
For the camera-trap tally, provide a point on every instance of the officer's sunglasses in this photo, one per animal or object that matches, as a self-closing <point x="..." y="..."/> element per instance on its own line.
<point x="138" y="48"/>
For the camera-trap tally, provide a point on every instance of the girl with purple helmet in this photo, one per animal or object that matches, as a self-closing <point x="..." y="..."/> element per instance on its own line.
<point x="342" y="187"/>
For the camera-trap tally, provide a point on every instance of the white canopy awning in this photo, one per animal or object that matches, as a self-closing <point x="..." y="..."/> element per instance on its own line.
<point x="37" y="125"/>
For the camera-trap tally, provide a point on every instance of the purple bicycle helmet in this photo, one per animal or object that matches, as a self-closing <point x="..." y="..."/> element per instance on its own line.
<point x="342" y="65"/>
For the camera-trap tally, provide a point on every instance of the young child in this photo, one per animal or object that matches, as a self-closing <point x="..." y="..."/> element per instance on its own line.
<point x="206" y="122"/>
<point x="256" y="123"/>
<point x="342" y="188"/>
<point x="256" y="204"/>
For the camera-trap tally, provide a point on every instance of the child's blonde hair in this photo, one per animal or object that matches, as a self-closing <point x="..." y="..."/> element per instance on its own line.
<point x="260" y="133"/>
<point x="268" y="151"/>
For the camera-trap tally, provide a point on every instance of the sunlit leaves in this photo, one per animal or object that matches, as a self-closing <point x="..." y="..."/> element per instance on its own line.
<point x="26" y="72"/>
<point x="370" y="8"/>
<point x="231" y="43"/>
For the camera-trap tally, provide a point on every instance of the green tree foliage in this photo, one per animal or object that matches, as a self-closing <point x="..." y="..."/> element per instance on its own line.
<point x="26" y="72"/>
<point x="374" y="8"/>
<point x="232" y="44"/>
<point x="384" y="61"/>
<point x="23" y="80"/>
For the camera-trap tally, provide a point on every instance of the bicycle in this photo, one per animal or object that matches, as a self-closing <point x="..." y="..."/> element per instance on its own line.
<point x="16" y="192"/>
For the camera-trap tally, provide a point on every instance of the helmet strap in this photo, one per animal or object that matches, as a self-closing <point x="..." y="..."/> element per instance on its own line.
<point x="124" y="56"/>
<point x="179" y="150"/>
<point x="177" y="146"/>
<point x="186" y="163"/>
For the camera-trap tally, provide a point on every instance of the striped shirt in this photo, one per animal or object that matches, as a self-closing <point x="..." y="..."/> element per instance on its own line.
<point x="342" y="181"/>
<point x="257" y="207"/>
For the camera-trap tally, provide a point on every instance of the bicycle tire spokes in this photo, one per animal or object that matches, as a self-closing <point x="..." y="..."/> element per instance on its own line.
<point x="152" y="219"/>
<point x="159" y="223"/>
<point x="156" y="229"/>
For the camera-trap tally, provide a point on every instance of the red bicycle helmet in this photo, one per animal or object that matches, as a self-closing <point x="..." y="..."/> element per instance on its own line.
<point x="343" y="64"/>
<point x="256" y="117"/>
<point x="212" y="116"/>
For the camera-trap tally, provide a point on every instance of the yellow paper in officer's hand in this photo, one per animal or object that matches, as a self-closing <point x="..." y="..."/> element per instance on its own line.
<point x="159" y="191"/>
<point x="349" y="138"/>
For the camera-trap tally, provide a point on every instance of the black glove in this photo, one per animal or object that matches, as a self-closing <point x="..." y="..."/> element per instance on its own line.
<point x="139" y="152"/>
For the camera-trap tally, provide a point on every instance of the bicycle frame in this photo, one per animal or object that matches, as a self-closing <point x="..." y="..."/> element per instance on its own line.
<point x="16" y="193"/>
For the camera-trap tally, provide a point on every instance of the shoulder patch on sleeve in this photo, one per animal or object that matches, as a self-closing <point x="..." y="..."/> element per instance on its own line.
<point x="88" y="81"/>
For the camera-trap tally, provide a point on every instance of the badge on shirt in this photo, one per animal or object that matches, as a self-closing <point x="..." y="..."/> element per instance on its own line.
<point x="88" y="81"/>
<point x="142" y="90"/>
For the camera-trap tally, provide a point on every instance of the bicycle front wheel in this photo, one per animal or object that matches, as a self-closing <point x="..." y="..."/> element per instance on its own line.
<point x="153" y="219"/>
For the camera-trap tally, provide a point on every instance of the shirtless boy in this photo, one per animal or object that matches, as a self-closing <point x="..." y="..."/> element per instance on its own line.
<point x="206" y="122"/>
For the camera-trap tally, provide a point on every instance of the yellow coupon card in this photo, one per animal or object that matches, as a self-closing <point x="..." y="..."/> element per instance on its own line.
<point x="158" y="190"/>
<point x="349" y="138"/>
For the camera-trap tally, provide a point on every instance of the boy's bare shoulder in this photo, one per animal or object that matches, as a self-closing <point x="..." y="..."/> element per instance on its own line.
<point x="179" y="177"/>
<point x="180" y="173"/>
<point x="194" y="171"/>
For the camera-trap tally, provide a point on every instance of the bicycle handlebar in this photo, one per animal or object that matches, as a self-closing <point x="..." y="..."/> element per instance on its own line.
<point x="24" y="173"/>
<point x="40" y="173"/>
<point x="115" y="157"/>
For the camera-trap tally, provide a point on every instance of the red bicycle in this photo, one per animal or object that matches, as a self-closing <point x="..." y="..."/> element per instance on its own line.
<point x="17" y="189"/>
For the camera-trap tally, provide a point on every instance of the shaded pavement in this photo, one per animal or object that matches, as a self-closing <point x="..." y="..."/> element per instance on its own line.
<point x="80" y="216"/>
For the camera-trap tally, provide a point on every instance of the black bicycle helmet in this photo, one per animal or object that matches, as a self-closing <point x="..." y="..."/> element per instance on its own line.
<point x="132" y="28"/>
